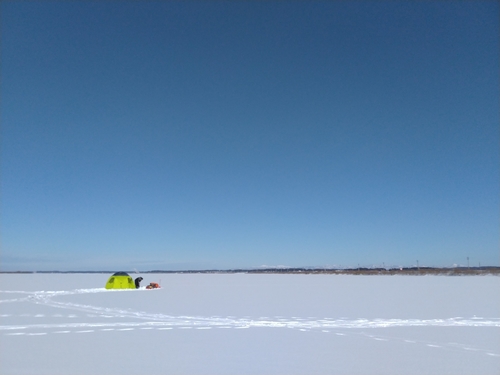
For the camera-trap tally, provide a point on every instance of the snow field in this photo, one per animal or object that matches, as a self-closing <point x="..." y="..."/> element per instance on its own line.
<point x="250" y="324"/>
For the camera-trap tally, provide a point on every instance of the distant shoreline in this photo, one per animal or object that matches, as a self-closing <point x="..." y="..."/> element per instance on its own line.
<point x="411" y="271"/>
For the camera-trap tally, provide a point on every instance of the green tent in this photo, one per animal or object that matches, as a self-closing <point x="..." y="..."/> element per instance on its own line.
<point x="120" y="280"/>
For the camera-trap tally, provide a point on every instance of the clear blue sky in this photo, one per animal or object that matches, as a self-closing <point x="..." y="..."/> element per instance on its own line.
<point x="198" y="135"/>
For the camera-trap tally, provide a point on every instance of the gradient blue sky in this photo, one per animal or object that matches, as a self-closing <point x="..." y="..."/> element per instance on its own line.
<point x="197" y="135"/>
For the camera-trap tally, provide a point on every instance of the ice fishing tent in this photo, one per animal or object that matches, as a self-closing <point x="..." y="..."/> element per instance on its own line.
<point x="120" y="280"/>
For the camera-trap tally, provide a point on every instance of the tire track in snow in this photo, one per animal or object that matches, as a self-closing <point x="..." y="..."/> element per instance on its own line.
<point x="167" y="323"/>
<point x="83" y="328"/>
<point x="46" y="298"/>
<point x="162" y="322"/>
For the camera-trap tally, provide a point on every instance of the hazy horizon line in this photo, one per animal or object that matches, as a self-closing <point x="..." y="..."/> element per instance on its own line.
<point x="263" y="269"/>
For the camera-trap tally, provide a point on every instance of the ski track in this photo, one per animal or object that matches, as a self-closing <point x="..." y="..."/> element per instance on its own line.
<point x="162" y="322"/>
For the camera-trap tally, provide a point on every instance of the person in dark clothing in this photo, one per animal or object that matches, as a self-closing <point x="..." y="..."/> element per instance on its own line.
<point x="138" y="282"/>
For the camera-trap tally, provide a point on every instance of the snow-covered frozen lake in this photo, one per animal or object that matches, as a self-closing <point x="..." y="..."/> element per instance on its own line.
<point x="250" y="324"/>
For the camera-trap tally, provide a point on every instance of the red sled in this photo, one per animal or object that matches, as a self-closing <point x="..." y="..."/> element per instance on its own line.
<point x="153" y="286"/>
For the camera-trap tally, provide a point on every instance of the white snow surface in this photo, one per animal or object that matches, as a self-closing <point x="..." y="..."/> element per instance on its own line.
<point x="250" y="324"/>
